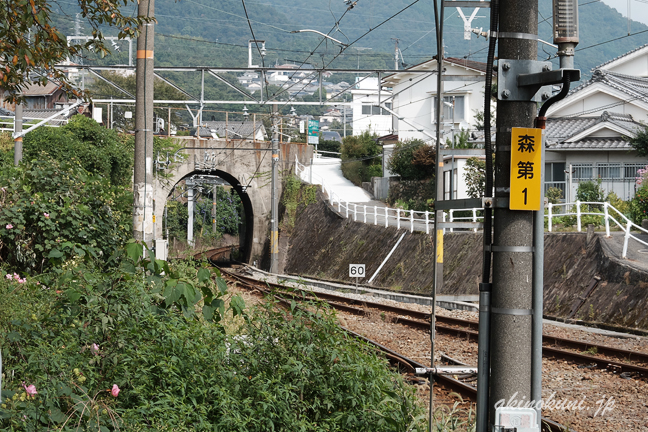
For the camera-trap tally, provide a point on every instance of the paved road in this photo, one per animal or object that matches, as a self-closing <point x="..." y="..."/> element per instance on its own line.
<point x="329" y="171"/>
<point x="637" y="252"/>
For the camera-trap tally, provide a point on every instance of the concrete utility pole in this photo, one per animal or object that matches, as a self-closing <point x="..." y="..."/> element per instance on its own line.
<point x="214" y="197"/>
<point x="18" y="140"/>
<point x="274" y="211"/>
<point x="143" y="175"/>
<point x="511" y="302"/>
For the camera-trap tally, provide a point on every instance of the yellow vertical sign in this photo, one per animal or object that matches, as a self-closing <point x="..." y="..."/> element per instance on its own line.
<point x="526" y="169"/>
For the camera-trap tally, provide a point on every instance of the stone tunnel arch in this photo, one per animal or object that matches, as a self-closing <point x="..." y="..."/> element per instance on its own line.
<point x="240" y="163"/>
<point x="246" y="235"/>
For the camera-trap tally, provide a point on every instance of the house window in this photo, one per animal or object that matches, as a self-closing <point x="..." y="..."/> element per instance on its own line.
<point x="555" y="172"/>
<point x="368" y="109"/>
<point x="608" y="171"/>
<point x="630" y="171"/>
<point x="583" y="171"/>
<point x="459" y="102"/>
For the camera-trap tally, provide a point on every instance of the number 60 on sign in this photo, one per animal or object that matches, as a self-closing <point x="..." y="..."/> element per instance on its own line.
<point x="526" y="169"/>
<point x="357" y="270"/>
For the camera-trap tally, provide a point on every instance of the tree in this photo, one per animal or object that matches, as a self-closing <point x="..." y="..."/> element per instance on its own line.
<point x="413" y="160"/>
<point x="475" y="176"/>
<point x="29" y="42"/>
<point x="640" y="141"/>
<point x="359" y="161"/>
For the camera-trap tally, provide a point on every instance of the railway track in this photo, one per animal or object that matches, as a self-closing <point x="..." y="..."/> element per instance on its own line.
<point x="582" y="353"/>
<point x="407" y="366"/>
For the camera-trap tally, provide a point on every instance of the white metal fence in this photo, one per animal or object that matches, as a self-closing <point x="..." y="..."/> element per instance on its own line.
<point x="422" y="221"/>
<point x="7" y="122"/>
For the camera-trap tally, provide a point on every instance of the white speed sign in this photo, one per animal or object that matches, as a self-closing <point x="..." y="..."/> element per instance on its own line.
<point x="357" y="270"/>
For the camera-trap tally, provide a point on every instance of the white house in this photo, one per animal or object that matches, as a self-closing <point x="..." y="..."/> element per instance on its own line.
<point x="367" y="111"/>
<point x="414" y="101"/>
<point x="414" y="97"/>
<point x="588" y="130"/>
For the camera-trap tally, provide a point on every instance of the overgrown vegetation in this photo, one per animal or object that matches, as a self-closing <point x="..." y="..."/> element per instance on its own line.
<point x="229" y="213"/>
<point x="295" y="194"/>
<point x="413" y="160"/>
<point x="359" y="161"/>
<point x="137" y="349"/>
<point x="475" y="177"/>
<point x="639" y="205"/>
<point x="53" y="212"/>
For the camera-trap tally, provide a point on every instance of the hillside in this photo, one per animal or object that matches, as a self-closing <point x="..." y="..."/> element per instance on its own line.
<point x="224" y="31"/>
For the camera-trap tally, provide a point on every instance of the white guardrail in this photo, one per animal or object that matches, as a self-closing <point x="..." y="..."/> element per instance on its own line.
<point x="422" y="221"/>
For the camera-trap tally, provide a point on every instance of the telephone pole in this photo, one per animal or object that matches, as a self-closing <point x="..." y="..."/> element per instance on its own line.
<point x="511" y="301"/>
<point x="274" y="211"/>
<point x="143" y="169"/>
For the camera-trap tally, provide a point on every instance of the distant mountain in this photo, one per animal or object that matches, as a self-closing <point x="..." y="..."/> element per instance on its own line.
<point x="371" y="28"/>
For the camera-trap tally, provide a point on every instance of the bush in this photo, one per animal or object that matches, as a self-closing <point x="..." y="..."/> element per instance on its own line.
<point x="554" y="195"/>
<point x="100" y="151"/>
<point x="475" y="177"/>
<point x="330" y="146"/>
<point x="590" y="191"/>
<point x="622" y="206"/>
<point x="639" y="205"/>
<point x="52" y="212"/>
<point x="412" y="160"/>
<point x="88" y="331"/>
<point x="358" y="165"/>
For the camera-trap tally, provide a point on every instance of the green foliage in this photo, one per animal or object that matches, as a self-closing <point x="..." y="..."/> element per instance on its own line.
<point x="640" y="141"/>
<point x="296" y="194"/>
<point x="51" y="212"/>
<point x="46" y="46"/>
<point x="622" y="206"/>
<point x="229" y="211"/>
<point x="554" y="195"/>
<point x="80" y="331"/>
<point x="360" y="146"/>
<point x="415" y="195"/>
<point x="412" y="160"/>
<point x="99" y="150"/>
<point x="475" y="177"/>
<point x="155" y="337"/>
<point x="358" y="163"/>
<point x="590" y="191"/>
<point x="462" y="140"/>
<point x="331" y="146"/>
<point x="639" y="205"/>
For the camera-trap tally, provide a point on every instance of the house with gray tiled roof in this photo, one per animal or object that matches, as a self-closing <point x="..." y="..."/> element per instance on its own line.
<point x="588" y="130"/>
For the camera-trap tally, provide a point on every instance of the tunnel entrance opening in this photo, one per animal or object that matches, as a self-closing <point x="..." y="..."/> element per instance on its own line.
<point x="233" y="218"/>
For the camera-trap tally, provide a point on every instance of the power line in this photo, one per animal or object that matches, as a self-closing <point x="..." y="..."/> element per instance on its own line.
<point x="612" y="40"/>
<point x="255" y="42"/>
<point x="365" y="34"/>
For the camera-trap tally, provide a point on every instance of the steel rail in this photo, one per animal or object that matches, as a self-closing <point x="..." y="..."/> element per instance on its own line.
<point x="448" y="382"/>
<point x="466" y="330"/>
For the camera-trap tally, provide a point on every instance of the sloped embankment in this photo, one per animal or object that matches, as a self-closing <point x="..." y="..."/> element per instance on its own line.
<point x="323" y="245"/>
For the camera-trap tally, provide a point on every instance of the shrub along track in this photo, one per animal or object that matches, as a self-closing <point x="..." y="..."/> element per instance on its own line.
<point x="451" y="383"/>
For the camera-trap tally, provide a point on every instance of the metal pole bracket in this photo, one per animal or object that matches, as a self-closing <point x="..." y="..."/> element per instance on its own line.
<point x="529" y="80"/>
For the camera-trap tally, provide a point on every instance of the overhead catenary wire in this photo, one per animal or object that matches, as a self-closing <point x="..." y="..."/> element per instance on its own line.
<point x="256" y="42"/>
<point x="362" y="36"/>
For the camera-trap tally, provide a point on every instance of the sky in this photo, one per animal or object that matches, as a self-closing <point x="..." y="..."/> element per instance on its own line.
<point x="638" y="9"/>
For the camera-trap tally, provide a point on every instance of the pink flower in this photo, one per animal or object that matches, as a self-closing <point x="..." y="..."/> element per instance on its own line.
<point x="115" y="390"/>
<point x="16" y="276"/>
<point x="9" y="226"/>
<point x="31" y="390"/>
<point x="46" y="215"/>
<point x="95" y="349"/>
<point x="22" y="281"/>
<point x="8" y="276"/>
